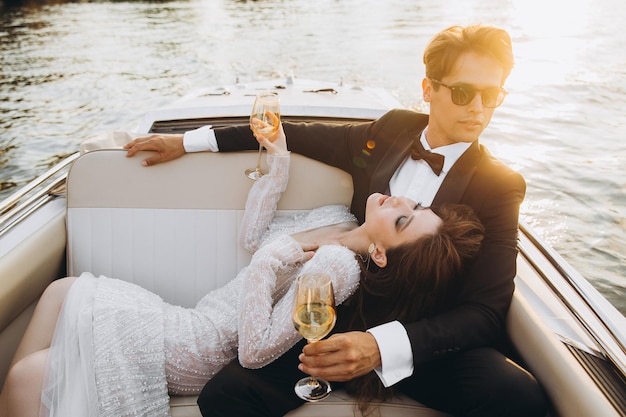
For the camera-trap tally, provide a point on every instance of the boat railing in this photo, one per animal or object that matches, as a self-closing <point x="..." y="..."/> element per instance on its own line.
<point x="33" y="195"/>
<point x="612" y="339"/>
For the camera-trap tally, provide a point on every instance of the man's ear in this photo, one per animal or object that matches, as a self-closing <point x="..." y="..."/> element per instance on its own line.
<point x="379" y="257"/>
<point x="426" y="89"/>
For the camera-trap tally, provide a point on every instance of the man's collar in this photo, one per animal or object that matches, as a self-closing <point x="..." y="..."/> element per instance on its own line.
<point x="451" y="152"/>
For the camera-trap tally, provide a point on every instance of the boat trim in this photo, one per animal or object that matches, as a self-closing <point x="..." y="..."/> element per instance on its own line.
<point x="615" y="347"/>
<point x="17" y="207"/>
<point x="606" y="378"/>
<point x="184" y="125"/>
<point x="14" y="198"/>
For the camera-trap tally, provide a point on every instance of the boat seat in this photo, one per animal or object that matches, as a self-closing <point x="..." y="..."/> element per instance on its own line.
<point x="173" y="228"/>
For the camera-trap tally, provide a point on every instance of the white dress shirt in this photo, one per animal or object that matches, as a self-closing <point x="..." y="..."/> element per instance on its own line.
<point x="413" y="179"/>
<point x="200" y="140"/>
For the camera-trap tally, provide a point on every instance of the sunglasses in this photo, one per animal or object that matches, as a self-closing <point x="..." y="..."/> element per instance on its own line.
<point x="462" y="95"/>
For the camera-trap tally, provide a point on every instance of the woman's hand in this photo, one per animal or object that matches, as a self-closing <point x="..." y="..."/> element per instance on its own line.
<point x="309" y="250"/>
<point x="275" y="143"/>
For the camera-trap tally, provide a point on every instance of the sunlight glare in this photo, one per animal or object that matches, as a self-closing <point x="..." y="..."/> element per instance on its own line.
<point x="552" y="40"/>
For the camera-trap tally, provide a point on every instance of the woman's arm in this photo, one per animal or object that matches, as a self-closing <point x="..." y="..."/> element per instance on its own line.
<point x="264" y="195"/>
<point x="262" y="201"/>
<point x="265" y="327"/>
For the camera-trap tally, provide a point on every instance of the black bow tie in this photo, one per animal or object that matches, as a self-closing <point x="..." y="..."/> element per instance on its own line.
<point x="435" y="160"/>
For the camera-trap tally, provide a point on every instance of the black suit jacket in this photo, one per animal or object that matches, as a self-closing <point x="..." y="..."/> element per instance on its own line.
<point x="371" y="152"/>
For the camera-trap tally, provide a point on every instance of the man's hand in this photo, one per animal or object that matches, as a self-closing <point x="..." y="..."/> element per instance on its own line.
<point x="168" y="147"/>
<point x="341" y="357"/>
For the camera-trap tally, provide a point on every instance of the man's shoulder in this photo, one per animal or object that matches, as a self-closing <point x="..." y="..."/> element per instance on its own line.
<point x="407" y="117"/>
<point x="494" y="168"/>
<point x="400" y="121"/>
<point x="488" y="158"/>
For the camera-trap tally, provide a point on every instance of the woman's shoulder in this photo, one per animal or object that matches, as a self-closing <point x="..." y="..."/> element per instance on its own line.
<point x="308" y="220"/>
<point x="331" y="214"/>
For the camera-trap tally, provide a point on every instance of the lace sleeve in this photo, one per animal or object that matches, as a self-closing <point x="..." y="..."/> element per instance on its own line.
<point x="262" y="200"/>
<point x="339" y="262"/>
<point x="265" y="328"/>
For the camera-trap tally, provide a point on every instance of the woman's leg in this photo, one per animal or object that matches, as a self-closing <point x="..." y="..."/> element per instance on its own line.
<point x="38" y="334"/>
<point x="22" y="387"/>
<point x="21" y="393"/>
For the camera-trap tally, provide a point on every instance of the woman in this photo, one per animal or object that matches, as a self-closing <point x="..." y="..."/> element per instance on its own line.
<point x="105" y="347"/>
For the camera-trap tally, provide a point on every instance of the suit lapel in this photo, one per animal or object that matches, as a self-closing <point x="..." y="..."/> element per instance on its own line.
<point x="388" y="164"/>
<point x="455" y="183"/>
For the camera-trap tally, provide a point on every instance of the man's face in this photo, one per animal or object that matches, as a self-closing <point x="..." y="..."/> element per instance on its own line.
<point x="450" y="123"/>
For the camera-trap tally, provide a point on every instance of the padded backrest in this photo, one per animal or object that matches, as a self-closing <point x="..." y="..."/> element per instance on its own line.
<point x="173" y="227"/>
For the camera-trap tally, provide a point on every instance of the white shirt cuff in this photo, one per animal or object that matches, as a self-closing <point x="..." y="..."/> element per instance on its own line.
<point x="200" y="140"/>
<point x="395" y="352"/>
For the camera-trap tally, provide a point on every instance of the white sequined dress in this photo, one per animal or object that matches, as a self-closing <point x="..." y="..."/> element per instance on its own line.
<point x="118" y="349"/>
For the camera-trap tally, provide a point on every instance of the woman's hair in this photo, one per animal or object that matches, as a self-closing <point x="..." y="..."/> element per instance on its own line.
<point x="415" y="283"/>
<point x="446" y="47"/>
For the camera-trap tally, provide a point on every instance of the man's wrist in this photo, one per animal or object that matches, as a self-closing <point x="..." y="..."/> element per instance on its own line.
<point x="395" y="352"/>
<point x="200" y="140"/>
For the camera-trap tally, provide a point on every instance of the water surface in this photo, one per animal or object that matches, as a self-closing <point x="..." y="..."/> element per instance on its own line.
<point x="70" y="70"/>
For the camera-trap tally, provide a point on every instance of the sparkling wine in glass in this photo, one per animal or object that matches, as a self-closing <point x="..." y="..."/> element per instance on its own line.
<point x="264" y="120"/>
<point x="314" y="316"/>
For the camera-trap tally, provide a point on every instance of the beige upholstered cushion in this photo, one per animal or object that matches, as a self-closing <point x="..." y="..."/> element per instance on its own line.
<point x="172" y="228"/>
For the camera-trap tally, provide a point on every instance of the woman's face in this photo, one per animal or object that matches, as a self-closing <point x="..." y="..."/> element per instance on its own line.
<point x="392" y="221"/>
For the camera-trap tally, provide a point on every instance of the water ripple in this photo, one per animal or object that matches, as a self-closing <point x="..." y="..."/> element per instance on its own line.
<point x="70" y="70"/>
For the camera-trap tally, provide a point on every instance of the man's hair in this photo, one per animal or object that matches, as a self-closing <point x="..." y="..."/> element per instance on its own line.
<point x="445" y="48"/>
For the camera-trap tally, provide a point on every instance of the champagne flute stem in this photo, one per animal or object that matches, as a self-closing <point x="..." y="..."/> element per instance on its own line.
<point x="258" y="161"/>
<point x="312" y="378"/>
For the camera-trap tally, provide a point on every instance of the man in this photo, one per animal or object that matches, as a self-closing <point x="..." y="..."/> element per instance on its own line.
<point x="448" y="361"/>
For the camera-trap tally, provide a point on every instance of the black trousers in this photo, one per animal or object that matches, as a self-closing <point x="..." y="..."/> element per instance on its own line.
<point x="481" y="382"/>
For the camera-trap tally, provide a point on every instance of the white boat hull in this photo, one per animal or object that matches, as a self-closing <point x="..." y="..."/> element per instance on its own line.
<point x="558" y="322"/>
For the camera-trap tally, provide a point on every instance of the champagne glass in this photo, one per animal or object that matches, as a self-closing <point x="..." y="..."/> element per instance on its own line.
<point x="264" y="120"/>
<point x="314" y="317"/>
